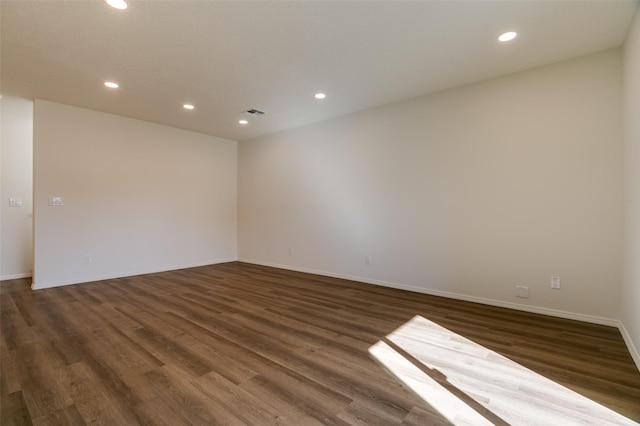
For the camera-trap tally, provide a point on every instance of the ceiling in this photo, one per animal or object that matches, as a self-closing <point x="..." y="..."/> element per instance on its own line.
<point x="227" y="57"/>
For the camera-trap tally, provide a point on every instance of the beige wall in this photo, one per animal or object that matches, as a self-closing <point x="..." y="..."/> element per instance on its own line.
<point x="630" y="311"/>
<point x="465" y="193"/>
<point x="138" y="197"/>
<point x="16" y="150"/>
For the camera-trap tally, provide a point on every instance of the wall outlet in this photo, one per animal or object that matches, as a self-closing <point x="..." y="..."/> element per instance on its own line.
<point x="290" y="251"/>
<point x="522" y="291"/>
<point x="555" y="283"/>
<point x="368" y="260"/>
<point x="15" y="202"/>
<point x="88" y="259"/>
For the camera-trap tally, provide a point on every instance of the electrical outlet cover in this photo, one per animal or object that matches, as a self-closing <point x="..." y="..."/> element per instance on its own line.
<point x="522" y="291"/>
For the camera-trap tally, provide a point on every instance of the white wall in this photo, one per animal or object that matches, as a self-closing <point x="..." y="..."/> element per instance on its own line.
<point x="16" y="151"/>
<point x="465" y="193"/>
<point x="630" y="310"/>
<point x="138" y="197"/>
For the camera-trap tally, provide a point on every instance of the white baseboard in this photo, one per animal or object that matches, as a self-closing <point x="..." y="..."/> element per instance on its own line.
<point x="491" y="302"/>
<point x="41" y="286"/>
<point x="533" y="309"/>
<point x="15" y="276"/>
<point x="499" y="303"/>
<point x="630" y="345"/>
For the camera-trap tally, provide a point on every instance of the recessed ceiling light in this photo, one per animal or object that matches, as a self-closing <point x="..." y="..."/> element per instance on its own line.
<point x="117" y="4"/>
<point x="111" y="84"/>
<point x="510" y="35"/>
<point x="320" y="96"/>
<point x="243" y="122"/>
<point x="188" y="106"/>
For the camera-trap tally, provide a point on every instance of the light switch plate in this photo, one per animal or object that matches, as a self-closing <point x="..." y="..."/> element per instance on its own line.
<point x="56" y="201"/>
<point x="15" y="202"/>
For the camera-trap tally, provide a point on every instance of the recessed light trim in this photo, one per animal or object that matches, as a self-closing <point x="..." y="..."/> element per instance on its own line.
<point x="508" y="36"/>
<point x="320" y="95"/>
<point x="188" y="106"/>
<point x="243" y="122"/>
<point x="111" y="84"/>
<point x="117" y="4"/>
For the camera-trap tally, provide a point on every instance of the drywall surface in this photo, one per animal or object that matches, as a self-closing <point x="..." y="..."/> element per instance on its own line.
<point x="630" y="311"/>
<point x="467" y="193"/>
<point x="16" y="152"/>
<point x="138" y="197"/>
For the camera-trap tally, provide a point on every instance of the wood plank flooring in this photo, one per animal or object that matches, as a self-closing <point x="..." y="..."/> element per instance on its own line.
<point x="240" y="344"/>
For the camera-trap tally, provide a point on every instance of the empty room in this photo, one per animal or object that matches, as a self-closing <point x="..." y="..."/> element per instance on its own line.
<point x="320" y="212"/>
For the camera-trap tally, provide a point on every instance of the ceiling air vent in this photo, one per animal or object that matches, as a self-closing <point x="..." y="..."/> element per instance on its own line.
<point x="254" y="112"/>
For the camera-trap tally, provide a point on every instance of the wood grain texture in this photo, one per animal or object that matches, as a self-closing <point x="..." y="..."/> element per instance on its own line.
<point x="240" y="344"/>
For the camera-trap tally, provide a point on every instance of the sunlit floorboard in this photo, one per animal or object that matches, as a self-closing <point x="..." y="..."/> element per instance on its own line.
<point x="241" y="344"/>
<point x="472" y="385"/>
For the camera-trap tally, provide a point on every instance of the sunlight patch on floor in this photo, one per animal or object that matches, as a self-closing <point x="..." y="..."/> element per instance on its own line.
<point x="472" y="385"/>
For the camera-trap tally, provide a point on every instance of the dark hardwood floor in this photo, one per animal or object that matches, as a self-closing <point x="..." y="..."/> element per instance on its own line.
<point x="243" y="344"/>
